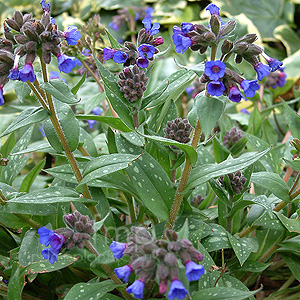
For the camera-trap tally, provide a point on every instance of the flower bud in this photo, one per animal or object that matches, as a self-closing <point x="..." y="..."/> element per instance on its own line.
<point x="160" y="253"/>
<point x="21" y="39"/>
<point x="238" y="58"/>
<point x="240" y="47"/>
<point x="184" y="243"/>
<point x="163" y="271"/>
<point x="174" y="247"/>
<point x="77" y="236"/>
<point x="215" y="24"/>
<point x="170" y="259"/>
<point x="197" y="200"/>
<point x="18" y="18"/>
<point x="248" y="38"/>
<point x="31" y="35"/>
<point x="195" y="254"/>
<point x="13" y="24"/>
<point x="226" y="46"/>
<point x="227" y="28"/>
<point x="79" y="226"/>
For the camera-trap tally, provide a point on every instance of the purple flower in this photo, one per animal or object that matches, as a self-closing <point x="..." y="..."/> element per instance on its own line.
<point x="214" y="69"/>
<point x="52" y="20"/>
<point x="114" y="25"/>
<point x="49" y="237"/>
<point x="50" y="254"/>
<point x="55" y="75"/>
<point x="245" y="111"/>
<point x="193" y="271"/>
<point x="124" y="272"/>
<point x="281" y="80"/>
<point x="45" y="6"/>
<point x="86" y="52"/>
<point x="108" y="53"/>
<point x="120" y="57"/>
<point x="65" y="63"/>
<point x="27" y="73"/>
<point x="235" y="94"/>
<point x="146" y="51"/>
<point x="149" y="11"/>
<point x="177" y="290"/>
<point x="249" y="87"/>
<point x="262" y="70"/>
<point x="186" y="27"/>
<point x="13" y="74"/>
<point x="96" y="111"/>
<point x="213" y="9"/>
<point x="147" y="24"/>
<point x="189" y="90"/>
<point x="158" y="41"/>
<point x="137" y="288"/>
<point x="215" y="88"/>
<point x="142" y="62"/>
<point x="275" y="64"/>
<point x="117" y="249"/>
<point x="1" y="95"/>
<point x="72" y="35"/>
<point x="180" y="37"/>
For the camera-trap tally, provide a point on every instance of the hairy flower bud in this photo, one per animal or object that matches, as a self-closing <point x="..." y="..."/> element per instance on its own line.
<point x="226" y="46"/>
<point x="178" y="130"/>
<point x="232" y="137"/>
<point x="171" y="235"/>
<point x="170" y="259"/>
<point x="237" y="182"/>
<point x="215" y="24"/>
<point x="197" y="200"/>
<point x="227" y="28"/>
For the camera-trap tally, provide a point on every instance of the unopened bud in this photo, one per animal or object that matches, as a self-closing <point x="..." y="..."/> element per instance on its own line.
<point x="18" y="18"/>
<point x="248" y="38"/>
<point x="77" y="237"/>
<point x="162" y="271"/>
<point x="21" y="39"/>
<point x="254" y="50"/>
<point x="296" y="143"/>
<point x="13" y="24"/>
<point x="238" y="58"/>
<point x="174" y="247"/>
<point x="227" y="28"/>
<point x="170" y="259"/>
<point x="240" y="47"/>
<point x="171" y="235"/>
<point x="160" y="253"/>
<point x="226" y="46"/>
<point x="79" y="226"/>
<point x="215" y="24"/>
<point x="185" y="243"/>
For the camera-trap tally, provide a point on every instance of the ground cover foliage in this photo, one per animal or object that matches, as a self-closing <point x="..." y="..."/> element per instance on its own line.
<point x="149" y="150"/>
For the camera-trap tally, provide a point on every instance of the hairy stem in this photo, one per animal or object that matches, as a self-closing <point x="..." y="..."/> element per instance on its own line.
<point x="184" y="177"/>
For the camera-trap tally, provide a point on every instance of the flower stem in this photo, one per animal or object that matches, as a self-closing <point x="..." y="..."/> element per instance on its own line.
<point x="136" y="120"/>
<point x="184" y="177"/>
<point x="213" y="52"/>
<point x="173" y="172"/>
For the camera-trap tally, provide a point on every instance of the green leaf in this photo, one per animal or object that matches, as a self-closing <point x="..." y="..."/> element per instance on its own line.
<point x="201" y="174"/>
<point x="217" y="239"/>
<point x="292" y="225"/>
<point x="28" y="208"/>
<point x="77" y="86"/>
<point x="59" y="90"/>
<point x="27" y="117"/>
<point x="198" y="69"/>
<point x="69" y="124"/>
<point x="90" y="290"/>
<point x="114" y="122"/>
<point x="292" y="260"/>
<point x="294" y="164"/>
<point x="188" y="149"/>
<point x="274" y="183"/>
<point x="7" y="242"/>
<point x="105" y="165"/>
<point x="240" y="247"/>
<point x="209" y="110"/>
<point x="115" y="96"/>
<point x="30" y="177"/>
<point x="113" y="42"/>
<point x="88" y="143"/>
<point x="149" y="179"/>
<point x="222" y="293"/>
<point x="16" y="284"/>
<point x="51" y="195"/>
<point x="17" y="161"/>
<point x="176" y="84"/>
<point x="293" y="120"/>
<point x="22" y="90"/>
<point x="220" y="151"/>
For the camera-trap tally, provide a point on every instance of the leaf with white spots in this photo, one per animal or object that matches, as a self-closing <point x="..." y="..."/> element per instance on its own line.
<point x="292" y="261"/>
<point x="292" y="225"/>
<point x="105" y="165"/>
<point x="222" y="293"/>
<point x="201" y="174"/>
<point x="52" y="195"/>
<point x="274" y="183"/>
<point x="90" y="291"/>
<point x="150" y="180"/>
<point x="240" y="247"/>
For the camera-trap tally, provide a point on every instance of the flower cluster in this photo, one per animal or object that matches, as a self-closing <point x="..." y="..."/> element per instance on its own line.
<point x="141" y="54"/>
<point x="234" y="183"/>
<point x="197" y="200"/>
<point x="219" y="78"/>
<point x="79" y="229"/>
<point x="232" y="136"/>
<point x="150" y="258"/>
<point x="26" y="37"/>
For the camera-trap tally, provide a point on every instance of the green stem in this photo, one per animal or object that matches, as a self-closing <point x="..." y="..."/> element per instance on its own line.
<point x="213" y="52"/>
<point x="184" y="177"/>
<point x="287" y="283"/>
<point x="229" y="220"/>
<point x="247" y="231"/>
<point x="136" y="120"/>
<point x="110" y="273"/>
<point x="295" y="183"/>
<point x="173" y="172"/>
<point x="29" y="221"/>
<point x="131" y="209"/>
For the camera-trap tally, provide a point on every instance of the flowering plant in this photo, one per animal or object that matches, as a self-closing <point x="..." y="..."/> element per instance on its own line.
<point x="126" y="175"/>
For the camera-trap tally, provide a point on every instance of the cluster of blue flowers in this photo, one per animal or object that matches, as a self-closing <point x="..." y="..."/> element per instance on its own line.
<point x="56" y="241"/>
<point x="219" y="78"/>
<point x="165" y="264"/>
<point x="143" y="54"/>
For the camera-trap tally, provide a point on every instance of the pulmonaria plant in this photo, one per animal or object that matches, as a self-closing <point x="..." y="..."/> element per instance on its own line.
<point x="151" y="258"/>
<point x="219" y="76"/>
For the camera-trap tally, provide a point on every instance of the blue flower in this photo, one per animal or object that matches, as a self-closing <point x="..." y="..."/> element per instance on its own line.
<point x="215" y="88"/>
<point x="49" y="237"/>
<point x="149" y="11"/>
<point x="124" y="272"/>
<point x="189" y="90"/>
<point x="235" y="94"/>
<point x="50" y="254"/>
<point x="213" y="9"/>
<point x="117" y="249"/>
<point x="137" y="288"/>
<point x="72" y="35"/>
<point x="65" y="63"/>
<point x="1" y="95"/>
<point x="41" y="130"/>
<point x="147" y="24"/>
<point x="45" y="6"/>
<point x="186" y="27"/>
<point x="249" y="87"/>
<point x="275" y="64"/>
<point x="13" y="74"/>
<point x="177" y="290"/>
<point x="146" y="51"/>
<point x="96" y="111"/>
<point x="120" y="57"/>
<point x="245" y="111"/>
<point x="214" y="69"/>
<point x="180" y="37"/>
<point x="27" y="73"/>
<point x="142" y="62"/>
<point x="114" y="25"/>
<point x="55" y="75"/>
<point x="281" y="79"/>
<point x="193" y="271"/>
<point x="108" y="53"/>
<point x="262" y="70"/>
<point x="52" y="20"/>
<point x="86" y="52"/>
